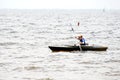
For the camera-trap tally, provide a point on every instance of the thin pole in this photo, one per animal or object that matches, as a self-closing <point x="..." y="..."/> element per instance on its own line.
<point x="74" y="32"/>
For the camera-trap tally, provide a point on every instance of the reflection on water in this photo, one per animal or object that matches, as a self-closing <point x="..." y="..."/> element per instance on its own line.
<point x="26" y="34"/>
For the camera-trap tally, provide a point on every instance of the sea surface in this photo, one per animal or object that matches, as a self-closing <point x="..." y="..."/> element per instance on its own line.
<point x="26" y="34"/>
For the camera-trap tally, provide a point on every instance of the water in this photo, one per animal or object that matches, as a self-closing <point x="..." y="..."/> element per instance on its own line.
<point x="26" y="34"/>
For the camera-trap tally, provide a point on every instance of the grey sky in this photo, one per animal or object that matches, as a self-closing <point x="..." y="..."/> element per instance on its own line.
<point x="60" y="4"/>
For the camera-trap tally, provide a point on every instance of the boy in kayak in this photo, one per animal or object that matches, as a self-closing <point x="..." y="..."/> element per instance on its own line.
<point x="81" y="39"/>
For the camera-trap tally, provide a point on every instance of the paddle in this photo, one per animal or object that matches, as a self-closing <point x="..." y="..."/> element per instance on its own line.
<point x="79" y="46"/>
<point x="74" y="32"/>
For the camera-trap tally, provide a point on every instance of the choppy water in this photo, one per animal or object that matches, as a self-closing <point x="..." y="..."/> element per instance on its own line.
<point x="26" y="34"/>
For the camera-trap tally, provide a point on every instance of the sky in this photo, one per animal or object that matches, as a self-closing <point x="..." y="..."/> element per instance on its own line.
<point x="59" y="4"/>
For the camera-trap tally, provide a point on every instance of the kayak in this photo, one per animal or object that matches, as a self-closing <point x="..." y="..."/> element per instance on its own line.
<point x="78" y="48"/>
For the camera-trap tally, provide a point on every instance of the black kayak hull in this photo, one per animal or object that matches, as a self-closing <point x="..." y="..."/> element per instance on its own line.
<point x="75" y="48"/>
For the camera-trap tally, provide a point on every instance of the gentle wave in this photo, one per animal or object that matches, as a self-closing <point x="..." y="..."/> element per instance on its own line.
<point x="26" y="34"/>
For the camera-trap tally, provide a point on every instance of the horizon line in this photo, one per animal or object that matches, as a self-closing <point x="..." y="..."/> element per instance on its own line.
<point x="56" y="9"/>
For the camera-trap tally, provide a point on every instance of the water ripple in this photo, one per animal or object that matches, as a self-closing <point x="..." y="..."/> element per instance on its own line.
<point x="26" y="34"/>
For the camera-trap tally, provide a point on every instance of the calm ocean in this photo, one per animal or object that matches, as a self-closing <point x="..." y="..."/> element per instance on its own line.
<point x="26" y="34"/>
